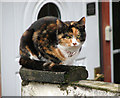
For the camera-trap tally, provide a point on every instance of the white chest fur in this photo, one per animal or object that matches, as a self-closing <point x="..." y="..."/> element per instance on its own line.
<point x="70" y="53"/>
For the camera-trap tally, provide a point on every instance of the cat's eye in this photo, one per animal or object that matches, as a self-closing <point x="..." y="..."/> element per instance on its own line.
<point x="78" y="36"/>
<point x="69" y="36"/>
<point x="64" y="36"/>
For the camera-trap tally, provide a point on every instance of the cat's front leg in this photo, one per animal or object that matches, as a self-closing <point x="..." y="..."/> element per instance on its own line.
<point x="51" y="65"/>
<point x="47" y="63"/>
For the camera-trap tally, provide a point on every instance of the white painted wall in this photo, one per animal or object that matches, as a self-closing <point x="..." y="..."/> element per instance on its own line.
<point x="91" y="46"/>
<point x="17" y="17"/>
<point x="12" y="28"/>
<point x="0" y="31"/>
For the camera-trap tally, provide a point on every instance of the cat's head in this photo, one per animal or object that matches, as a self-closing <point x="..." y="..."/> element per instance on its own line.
<point x="71" y="34"/>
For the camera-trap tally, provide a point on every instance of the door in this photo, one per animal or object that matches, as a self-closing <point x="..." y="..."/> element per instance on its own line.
<point x="116" y="41"/>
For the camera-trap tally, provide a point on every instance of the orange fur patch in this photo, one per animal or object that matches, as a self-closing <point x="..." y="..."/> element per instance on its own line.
<point x="72" y="23"/>
<point x="41" y="41"/>
<point x="25" y="33"/>
<point x="30" y="51"/>
<point x="78" y="40"/>
<point x="66" y="42"/>
<point x="44" y="48"/>
<point x="51" y="65"/>
<point x="75" y="31"/>
<point x="57" y="53"/>
<point x="58" y="22"/>
<point x="45" y="39"/>
<point x="35" y="35"/>
<point x="60" y="36"/>
<point x="60" y="53"/>
<point x="44" y="31"/>
<point x="83" y="20"/>
<point x="22" y="53"/>
<point x="53" y="26"/>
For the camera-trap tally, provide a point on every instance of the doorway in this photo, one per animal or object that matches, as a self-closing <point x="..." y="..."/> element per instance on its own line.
<point x="49" y="9"/>
<point x="116" y="41"/>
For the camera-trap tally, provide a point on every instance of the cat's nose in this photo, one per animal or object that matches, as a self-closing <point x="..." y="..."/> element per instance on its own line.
<point x="74" y="44"/>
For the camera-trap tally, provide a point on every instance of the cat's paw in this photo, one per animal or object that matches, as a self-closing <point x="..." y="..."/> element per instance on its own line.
<point x="51" y="65"/>
<point x="48" y="65"/>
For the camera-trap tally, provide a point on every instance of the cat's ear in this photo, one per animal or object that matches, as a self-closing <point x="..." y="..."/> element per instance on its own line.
<point x="61" y="26"/>
<point x="59" y="23"/>
<point x="82" y="21"/>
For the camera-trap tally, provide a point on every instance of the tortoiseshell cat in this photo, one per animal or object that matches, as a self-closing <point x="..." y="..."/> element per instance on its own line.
<point x="53" y="41"/>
